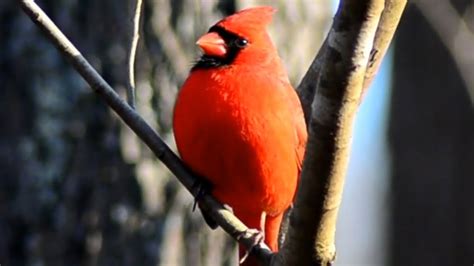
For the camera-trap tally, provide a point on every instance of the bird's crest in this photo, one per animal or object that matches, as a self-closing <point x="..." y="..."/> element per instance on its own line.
<point x="248" y="22"/>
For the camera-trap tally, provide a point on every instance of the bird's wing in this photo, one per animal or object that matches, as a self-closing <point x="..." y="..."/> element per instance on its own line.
<point x="301" y="133"/>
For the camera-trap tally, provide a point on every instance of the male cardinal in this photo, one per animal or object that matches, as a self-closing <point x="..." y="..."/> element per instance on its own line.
<point x="239" y="123"/>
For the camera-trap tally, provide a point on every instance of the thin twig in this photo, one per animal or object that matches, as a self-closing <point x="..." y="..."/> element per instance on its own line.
<point x="135" y="36"/>
<point x="219" y="213"/>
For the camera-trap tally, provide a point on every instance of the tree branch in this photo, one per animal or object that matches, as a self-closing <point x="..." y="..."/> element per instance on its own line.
<point x="307" y="88"/>
<point x="341" y="71"/>
<point x="389" y="20"/>
<point x="135" y="36"/>
<point x="219" y="213"/>
<point x="393" y="10"/>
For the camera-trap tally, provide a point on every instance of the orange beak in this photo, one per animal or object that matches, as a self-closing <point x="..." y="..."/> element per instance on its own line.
<point x="212" y="44"/>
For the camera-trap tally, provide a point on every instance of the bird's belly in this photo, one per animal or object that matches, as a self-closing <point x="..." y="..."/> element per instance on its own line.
<point x="248" y="154"/>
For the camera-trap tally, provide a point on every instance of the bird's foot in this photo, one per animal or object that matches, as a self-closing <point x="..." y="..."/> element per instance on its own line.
<point x="201" y="188"/>
<point x="256" y="237"/>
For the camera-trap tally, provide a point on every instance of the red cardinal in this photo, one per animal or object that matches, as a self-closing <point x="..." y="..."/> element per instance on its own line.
<point x="239" y="123"/>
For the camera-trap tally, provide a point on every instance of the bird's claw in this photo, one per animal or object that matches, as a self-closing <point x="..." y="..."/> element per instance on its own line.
<point x="256" y="236"/>
<point x="200" y="188"/>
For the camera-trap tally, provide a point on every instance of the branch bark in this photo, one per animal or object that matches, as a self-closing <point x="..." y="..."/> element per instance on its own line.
<point x="393" y="10"/>
<point x="225" y="218"/>
<point x="391" y="15"/>
<point x="307" y="88"/>
<point x="342" y="70"/>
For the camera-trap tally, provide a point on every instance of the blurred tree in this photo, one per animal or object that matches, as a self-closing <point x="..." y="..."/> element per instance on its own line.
<point x="66" y="194"/>
<point x="432" y="142"/>
<point x="76" y="186"/>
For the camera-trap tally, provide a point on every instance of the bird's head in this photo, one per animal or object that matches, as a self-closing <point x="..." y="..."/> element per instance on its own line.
<point x="241" y="36"/>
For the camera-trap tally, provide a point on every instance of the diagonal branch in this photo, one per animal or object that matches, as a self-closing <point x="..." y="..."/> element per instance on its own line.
<point x="340" y="73"/>
<point x="221" y="215"/>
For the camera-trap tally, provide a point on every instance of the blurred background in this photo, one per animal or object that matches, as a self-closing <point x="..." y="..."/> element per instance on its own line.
<point x="78" y="188"/>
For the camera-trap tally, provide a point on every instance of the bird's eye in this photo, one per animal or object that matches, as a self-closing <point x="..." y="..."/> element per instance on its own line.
<point x="241" y="43"/>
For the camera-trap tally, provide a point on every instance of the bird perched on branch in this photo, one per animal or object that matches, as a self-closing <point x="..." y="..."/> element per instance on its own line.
<point x="239" y="123"/>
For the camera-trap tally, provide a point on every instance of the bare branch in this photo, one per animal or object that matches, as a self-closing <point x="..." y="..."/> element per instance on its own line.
<point x="389" y="20"/>
<point x="307" y="87"/>
<point x="135" y="36"/>
<point x="221" y="215"/>
<point x="341" y="70"/>
<point x="456" y="36"/>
